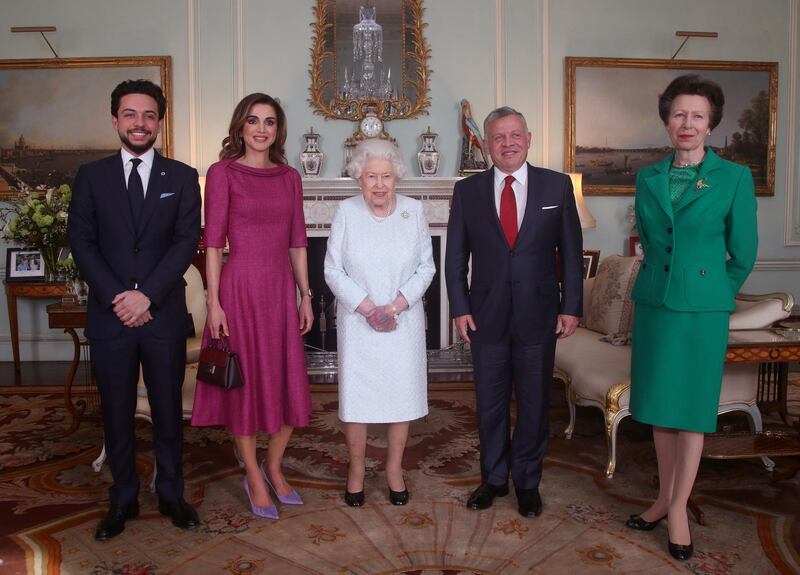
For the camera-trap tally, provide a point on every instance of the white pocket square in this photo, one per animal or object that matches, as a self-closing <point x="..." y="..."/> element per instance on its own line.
<point x="166" y="195"/>
<point x="549" y="207"/>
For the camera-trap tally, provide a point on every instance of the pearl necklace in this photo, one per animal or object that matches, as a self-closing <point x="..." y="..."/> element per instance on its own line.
<point x="688" y="164"/>
<point x="381" y="219"/>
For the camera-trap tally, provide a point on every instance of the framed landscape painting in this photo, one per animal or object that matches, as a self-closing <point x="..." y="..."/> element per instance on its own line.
<point x="613" y="128"/>
<point x="55" y="115"/>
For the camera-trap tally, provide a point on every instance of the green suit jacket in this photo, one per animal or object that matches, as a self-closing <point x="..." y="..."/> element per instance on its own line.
<point x="697" y="253"/>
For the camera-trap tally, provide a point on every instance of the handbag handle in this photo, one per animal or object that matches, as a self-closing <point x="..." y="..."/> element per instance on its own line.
<point x="221" y="343"/>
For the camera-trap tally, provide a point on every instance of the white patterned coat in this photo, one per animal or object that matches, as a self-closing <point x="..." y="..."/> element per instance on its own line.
<point x="382" y="375"/>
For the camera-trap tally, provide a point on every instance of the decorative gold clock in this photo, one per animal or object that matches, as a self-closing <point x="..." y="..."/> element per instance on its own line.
<point x="371" y="126"/>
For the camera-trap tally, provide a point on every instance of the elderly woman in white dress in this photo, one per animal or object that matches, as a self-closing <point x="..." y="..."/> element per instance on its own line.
<point x="378" y="265"/>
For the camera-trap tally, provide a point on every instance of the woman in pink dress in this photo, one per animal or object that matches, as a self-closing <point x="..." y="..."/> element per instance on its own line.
<point x="255" y="201"/>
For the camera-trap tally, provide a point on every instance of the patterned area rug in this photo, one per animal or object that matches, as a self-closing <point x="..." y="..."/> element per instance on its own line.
<point x="51" y="499"/>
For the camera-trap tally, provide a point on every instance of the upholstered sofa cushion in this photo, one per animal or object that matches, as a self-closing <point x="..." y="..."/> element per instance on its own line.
<point x="592" y="365"/>
<point x="609" y="309"/>
<point x="756" y="314"/>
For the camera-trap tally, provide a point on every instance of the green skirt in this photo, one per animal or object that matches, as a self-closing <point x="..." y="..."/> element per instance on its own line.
<point x="676" y="367"/>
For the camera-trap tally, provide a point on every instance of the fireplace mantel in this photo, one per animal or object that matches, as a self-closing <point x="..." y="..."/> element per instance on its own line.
<point x="321" y="195"/>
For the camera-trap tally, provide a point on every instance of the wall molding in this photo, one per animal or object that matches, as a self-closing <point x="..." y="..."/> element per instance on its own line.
<point x="191" y="74"/>
<point x="544" y="32"/>
<point x="38" y="347"/>
<point x="777" y="266"/>
<point x="499" y="48"/>
<point x="791" y="230"/>
<point x="239" y="50"/>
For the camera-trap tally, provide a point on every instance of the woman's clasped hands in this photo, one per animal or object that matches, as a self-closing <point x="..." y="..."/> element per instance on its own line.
<point x="379" y="317"/>
<point x="382" y="318"/>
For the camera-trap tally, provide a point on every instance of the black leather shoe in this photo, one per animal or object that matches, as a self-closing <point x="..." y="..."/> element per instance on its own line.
<point x="636" y="522"/>
<point x="354" y="499"/>
<point x="182" y="514"/>
<point x="529" y="502"/>
<point x="114" y="522"/>
<point x="680" y="552"/>
<point x="483" y="496"/>
<point x="398" y="497"/>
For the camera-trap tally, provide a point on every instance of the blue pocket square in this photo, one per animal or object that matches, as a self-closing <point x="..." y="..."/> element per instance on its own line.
<point x="166" y="195"/>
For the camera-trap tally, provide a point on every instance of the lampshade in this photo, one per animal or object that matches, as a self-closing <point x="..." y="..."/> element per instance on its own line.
<point x="586" y="217"/>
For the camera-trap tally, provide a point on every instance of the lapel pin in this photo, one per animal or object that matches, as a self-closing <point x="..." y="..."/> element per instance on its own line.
<point x="405" y="215"/>
<point x="701" y="184"/>
<point x="163" y="173"/>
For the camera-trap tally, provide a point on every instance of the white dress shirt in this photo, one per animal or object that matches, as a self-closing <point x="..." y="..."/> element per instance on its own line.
<point x="144" y="167"/>
<point x="520" y="187"/>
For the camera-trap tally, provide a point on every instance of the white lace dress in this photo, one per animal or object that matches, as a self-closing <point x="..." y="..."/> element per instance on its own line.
<point x="382" y="375"/>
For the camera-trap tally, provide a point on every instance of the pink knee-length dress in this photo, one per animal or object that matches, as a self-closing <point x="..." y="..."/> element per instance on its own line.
<point x="260" y="212"/>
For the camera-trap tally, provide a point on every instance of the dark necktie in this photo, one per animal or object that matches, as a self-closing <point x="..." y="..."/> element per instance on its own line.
<point x="508" y="212"/>
<point x="135" y="190"/>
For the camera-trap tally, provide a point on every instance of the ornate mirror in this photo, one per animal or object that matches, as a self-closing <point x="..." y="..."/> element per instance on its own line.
<point x="369" y="55"/>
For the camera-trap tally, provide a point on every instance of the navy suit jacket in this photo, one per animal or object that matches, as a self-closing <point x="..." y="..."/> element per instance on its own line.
<point x="519" y="285"/>
<point x="115" y="255"/>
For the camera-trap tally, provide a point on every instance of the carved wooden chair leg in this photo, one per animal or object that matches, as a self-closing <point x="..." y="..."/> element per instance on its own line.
<point x="699" y="516"/>
<point x="97" y="464"/>
<point x="571" y="405"/>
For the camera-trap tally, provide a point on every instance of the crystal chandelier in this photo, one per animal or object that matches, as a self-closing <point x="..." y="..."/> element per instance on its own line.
<point x="371" y="81"/>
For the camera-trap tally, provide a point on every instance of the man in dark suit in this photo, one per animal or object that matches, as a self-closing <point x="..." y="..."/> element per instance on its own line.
<point x="512" y="220"/>
<point x="134" y="223"/>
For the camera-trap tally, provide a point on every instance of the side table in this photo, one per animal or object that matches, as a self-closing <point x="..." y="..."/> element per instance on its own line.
<point x="771" y="345"/>
<point x="70" y="318"/>
<point x="15" y="290"/>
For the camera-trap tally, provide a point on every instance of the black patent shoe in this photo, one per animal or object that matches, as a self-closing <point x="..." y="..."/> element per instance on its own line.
<point x="114" y="522"/>
<point x="354" y="499"/>
<point x="398" y="497"/>
<point x="636" y="522"/>
<point x="680" y="552"/>
<point x="483" y="496"/>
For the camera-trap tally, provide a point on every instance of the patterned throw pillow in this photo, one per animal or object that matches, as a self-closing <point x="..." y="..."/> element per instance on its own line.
<point x="610" y="309"/>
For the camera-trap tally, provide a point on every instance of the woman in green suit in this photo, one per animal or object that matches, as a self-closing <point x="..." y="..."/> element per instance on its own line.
<point x="696" y="215"/>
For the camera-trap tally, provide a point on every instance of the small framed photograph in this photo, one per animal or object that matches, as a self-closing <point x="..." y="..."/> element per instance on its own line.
<point x="24" y="265"/>
<point x="635" y="247"/>
<point x="590" y="260"/>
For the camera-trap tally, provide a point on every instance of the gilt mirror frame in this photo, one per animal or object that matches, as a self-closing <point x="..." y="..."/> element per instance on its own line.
<point x="412" y="98"/>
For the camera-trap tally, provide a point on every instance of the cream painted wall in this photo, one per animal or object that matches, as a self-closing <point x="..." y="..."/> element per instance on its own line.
<point x="491" y="52"/>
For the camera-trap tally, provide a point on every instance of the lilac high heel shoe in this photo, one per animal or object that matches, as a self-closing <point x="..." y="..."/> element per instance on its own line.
<point x="292" y="499"/>
<point x="270" y="512"/>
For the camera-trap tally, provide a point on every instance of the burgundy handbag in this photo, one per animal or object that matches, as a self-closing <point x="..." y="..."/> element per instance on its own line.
<point x="219" y="366"/>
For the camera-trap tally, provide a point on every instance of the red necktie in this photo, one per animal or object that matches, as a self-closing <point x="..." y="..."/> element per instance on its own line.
<point x="508" y="212"/>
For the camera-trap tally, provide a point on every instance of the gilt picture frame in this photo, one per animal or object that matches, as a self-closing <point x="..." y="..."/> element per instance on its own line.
<point x="55" y="115"/>
<point x="612" y="126"/>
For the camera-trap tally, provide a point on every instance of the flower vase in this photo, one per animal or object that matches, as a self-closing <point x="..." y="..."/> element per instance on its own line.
<point x="50" y="257"/>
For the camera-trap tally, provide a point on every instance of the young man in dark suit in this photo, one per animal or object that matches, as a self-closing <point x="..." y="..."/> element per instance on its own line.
<point x="134" y="224"/>
<point x="512" y="220"/>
